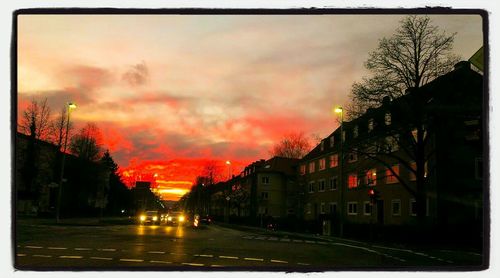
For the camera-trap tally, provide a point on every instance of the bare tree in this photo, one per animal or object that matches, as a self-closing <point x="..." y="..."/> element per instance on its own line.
<point x="58" y="128"/>
<point x="292" y="145"/>
<point x="87" y="143"/>
<point x="416" y="54"/>
<point x="35" y="120"/>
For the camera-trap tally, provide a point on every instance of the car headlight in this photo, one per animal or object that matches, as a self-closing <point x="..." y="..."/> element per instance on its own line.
<point x="181" y="218"/>
<point x="169" y="218"/>
<point x="142" y="217"/>
<point x="155" y="218"/>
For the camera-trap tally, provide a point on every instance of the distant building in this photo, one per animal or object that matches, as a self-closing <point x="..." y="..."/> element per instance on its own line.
<point x="378" y="152"/>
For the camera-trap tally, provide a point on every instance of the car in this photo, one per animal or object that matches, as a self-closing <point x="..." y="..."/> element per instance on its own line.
<point x="176" y="218"/>
<point x="150" y="217"/>
<point x="206" y="220"/>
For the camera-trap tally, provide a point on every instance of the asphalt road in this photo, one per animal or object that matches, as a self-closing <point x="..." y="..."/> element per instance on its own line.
<point x="136" y="247"/>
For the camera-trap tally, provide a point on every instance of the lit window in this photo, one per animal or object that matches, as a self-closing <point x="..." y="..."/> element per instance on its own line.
<point x="388" y="118"/>
<point x="396" y="207"/>
<point x="352" y="208"/>
<point x="371" y="177"/>
<point x="355" y="132"/>
<point x="322" y="164"/>
<point x="322" y="208"/>
<point x="333" y="183"/>
<point x="311" y="187"/>
<point x="352" y="181"/>
<point x="352" y="156"/>
<point x="312" y="167"/>
<point x="413" y="207"/>
<point x="411" y="174"/>
<point x="265" y="180"/>
<point x="321" y="185"/>
<point x="332" y="141"/>
<point x="390" y="177"/>
<point x="303" y="169"/>
<point x="334" y="160"/>
<point x="370" y="125"/>
<point x="367" y="208"/>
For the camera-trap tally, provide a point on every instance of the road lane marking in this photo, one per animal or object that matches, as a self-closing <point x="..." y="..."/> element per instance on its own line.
<point x="261" y="237"/>
<point x="21" y="255"/>
<point x="302" y="264"/>
<point x="57" y="248"/>
<point x="193" y="264"/>
<point x="101" y="258"/>
<point x="272" y="238"/>
<point x="229" y="257"/>
<point x="171" y="253"/>
<point x="297" y="240"/>
<point x="156" y="252"/>
<point x="70" y="257"/>
<point x="254" y="259"/>
<point x="279" y="261"/>
<point x="310" y="241"/>
<point x="216" y="265"/>
<point x="160" y="262"/>
<point x="82" y="249"/>
<point x="107" y="250"/>
<point x="33" y="247"/>
<point x="42" y="256"/>
<point x="203" y="255"/>
<point x="285" y="239"/>
<point x="132" y="260"/>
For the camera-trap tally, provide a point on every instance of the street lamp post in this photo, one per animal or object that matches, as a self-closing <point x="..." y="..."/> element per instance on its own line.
<point x="228" y="163"/>
<point x="61" y="177"/>
<point x="340" y="111"/>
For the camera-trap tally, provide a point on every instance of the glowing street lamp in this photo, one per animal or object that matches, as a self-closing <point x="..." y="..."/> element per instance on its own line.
<point x="71" y="105"/>
<point x="228" y="163"/>
<point x="339" y="110"/>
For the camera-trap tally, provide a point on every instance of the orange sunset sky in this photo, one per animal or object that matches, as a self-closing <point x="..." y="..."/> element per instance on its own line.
<point x="171" y="93"/>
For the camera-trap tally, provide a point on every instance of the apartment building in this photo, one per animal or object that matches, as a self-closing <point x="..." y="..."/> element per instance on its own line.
<point x="421" y="154"/>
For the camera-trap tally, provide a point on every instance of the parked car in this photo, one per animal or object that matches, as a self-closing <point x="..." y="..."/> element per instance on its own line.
<point x="150" y="217"/>
<point x="176" y="218"/>
<point x="206" y="219"/>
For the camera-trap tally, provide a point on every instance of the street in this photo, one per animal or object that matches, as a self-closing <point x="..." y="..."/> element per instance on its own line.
<point x="42" y="246"/>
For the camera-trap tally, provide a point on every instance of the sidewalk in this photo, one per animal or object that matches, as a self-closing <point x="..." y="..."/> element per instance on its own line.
<point x="82" y="221"/>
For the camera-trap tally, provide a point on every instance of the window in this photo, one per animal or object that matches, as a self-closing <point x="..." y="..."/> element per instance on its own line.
<point x="311" y="187"/>
<point x="371" y="177"/>
<point x="387" y="118"/>
<point x="413" y="207"/>
<point x="322" y="145"/>
<point x="352" y="208"/>
<point x="367" y="208"/>
<point x="303" y="169"/>
<point x="352" y="181"/>
<point x="322" y="164"/>
<point x="334" y="160"/>
<point x="308" y="208"/>
<point x="322" y="208"/>
<point x="265" y="180"/>
<point x="311" y="167"/>
<point x="396" y="207"/>
<point x="390" y="177"/>
<point x="370" y="125"/>
<point x="321" y="185"/>
<point x="355" y="132"/>
<point x="333" y="208"/>
<point x="264" y="195"/>
<point x="333" y="183"/>
<point x="332" y="141"/>
<point x="352" y="156"/>
<point x="392" y="143"/>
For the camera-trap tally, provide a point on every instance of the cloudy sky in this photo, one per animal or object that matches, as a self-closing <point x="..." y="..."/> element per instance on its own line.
<point x="173" y="92"/>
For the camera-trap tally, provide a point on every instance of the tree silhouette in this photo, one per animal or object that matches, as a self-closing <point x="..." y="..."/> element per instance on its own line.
<point x="292" y="145"/>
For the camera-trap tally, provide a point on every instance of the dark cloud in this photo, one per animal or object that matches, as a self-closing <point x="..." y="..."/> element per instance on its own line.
<point x="137" y="75"/>
<point x="87" y="78"/>
<point x="57" y="99"/>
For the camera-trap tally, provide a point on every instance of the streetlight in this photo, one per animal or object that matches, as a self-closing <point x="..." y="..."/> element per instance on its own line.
<point x="228" y="163"/>
<point x="339" y="110"/>
<point x="71" y="105"/>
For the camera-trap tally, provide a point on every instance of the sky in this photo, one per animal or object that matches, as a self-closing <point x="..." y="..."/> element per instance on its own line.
<point x="172" y="93"/>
